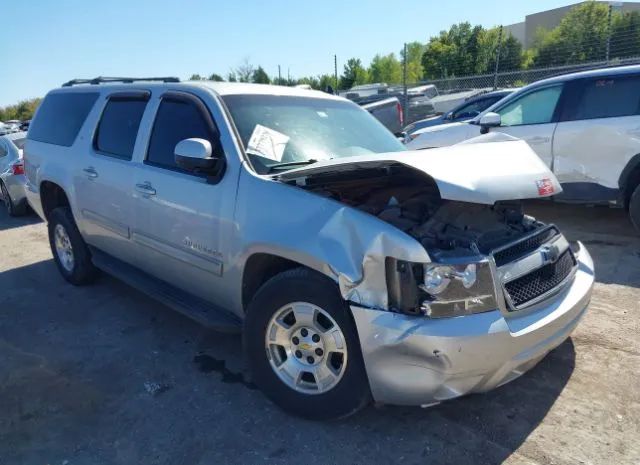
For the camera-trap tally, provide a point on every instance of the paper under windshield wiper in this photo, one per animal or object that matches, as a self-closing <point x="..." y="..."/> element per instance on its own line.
<point x="291" y="163"/>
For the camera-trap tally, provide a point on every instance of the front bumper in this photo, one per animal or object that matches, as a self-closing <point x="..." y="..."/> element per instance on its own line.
<point x="419" y="361"/>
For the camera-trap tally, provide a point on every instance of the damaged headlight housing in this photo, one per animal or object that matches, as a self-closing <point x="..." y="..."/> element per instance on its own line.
<point x="458" y="289"/>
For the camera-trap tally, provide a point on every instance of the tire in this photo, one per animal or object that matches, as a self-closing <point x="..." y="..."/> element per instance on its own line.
<point x="634" y="208"/>
<point x="302" y="287"/>
<point x="80" y="270"/>
<point x="12" y="208"/>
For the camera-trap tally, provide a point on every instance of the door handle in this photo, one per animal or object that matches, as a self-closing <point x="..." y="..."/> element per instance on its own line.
<point x="145" y="188"/>
<point x="91" y="172"/>
<point x="538" y="140"/>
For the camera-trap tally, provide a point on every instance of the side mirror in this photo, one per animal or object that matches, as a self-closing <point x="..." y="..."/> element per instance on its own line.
<point x="195" y="155"/>
<point x="489" y="120"/>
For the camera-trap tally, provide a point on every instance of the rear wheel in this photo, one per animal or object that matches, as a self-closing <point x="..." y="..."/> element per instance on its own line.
<point x="302" y="347"/>
<point x="12" y="208"/>
<point x="634" y="208"/>
<point x="70" y="252"/>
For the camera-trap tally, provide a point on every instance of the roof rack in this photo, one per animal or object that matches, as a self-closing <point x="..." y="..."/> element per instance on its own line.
<point x="126" y="80"/>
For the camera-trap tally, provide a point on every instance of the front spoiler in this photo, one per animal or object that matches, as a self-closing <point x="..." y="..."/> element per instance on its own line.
<point x="414" y="360"/>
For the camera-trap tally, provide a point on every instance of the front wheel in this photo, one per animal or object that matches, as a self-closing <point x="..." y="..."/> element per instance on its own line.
<point x="302" y="347"/>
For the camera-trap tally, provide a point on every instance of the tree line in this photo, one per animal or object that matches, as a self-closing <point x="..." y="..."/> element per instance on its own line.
<point x="583" y="35"/>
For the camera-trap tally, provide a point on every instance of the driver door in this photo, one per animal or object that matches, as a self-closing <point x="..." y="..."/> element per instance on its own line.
<point x="533" y="117"/>
<point x="183" y="220"/>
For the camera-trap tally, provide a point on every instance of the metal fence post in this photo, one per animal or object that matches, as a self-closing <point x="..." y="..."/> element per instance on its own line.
<point x="405" y="104"/>
<point x="495" y="74"/>
<point x="608" y="50"/>
<point x="335" y="70"/>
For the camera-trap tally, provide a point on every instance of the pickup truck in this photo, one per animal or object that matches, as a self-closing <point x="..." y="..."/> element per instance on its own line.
<point x="355" y="270"/>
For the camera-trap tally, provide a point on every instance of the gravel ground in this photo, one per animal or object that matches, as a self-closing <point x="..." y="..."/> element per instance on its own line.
<point x="105" y="375"/>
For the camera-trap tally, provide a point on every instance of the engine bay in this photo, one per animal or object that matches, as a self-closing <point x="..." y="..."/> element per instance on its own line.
<point x="410" y="201"/>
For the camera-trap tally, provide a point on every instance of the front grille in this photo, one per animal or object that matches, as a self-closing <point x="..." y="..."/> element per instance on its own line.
<point x="540" y="281"/>
<point x="522" y="248"/>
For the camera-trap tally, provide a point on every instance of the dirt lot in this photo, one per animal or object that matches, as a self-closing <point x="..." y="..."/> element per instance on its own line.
<point x="103" y="374"/>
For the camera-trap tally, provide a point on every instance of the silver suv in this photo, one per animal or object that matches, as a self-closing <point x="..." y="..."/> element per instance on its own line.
<point x="356" y="271"/>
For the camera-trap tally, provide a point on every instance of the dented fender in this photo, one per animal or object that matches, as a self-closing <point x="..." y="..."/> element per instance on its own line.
<point x="346" y="244"/>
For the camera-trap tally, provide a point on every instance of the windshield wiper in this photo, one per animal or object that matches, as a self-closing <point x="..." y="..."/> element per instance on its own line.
<point x="277" y="166"/>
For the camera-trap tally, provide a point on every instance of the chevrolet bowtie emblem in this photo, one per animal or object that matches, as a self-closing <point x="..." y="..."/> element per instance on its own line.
<point x="550" y="253"/>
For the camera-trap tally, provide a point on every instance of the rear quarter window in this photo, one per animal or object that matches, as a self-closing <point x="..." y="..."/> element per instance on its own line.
<point x="60" y="117"/>
<point x="606" y="97"/>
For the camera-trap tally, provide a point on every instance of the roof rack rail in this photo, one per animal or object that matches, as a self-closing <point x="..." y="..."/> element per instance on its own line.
<point x="126" y="80"/>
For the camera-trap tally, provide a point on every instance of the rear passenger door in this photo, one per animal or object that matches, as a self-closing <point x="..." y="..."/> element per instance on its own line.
<point x="598" y="133"/>
<point x="183" y="222"/>
<point x="104" y="181"/>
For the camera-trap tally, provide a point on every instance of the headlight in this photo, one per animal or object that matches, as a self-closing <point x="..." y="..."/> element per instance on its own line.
<point x="458" y="289"/>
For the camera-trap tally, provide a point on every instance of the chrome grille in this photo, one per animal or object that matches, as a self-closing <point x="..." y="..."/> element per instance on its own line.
<point x="529" y="287"/>
<point x="518" y="250"/>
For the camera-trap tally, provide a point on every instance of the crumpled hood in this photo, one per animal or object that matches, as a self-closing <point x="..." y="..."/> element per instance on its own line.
<point x="480" y="172"/>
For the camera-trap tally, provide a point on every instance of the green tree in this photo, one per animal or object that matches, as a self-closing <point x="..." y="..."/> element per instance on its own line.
<point x="215" y="77"/>
<point x="260" y="76"/>
<point x="385" y="68"/>
<point x="625" y="35"/>
<point x="23" y="110"/>
<point x="581" y="36"/>
<point x="454" y="52"/>
<point x="354" y="73"/>
<point x="195" y="77"/>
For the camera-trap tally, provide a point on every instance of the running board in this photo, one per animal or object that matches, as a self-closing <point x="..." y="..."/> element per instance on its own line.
<point x="198" y="309"/>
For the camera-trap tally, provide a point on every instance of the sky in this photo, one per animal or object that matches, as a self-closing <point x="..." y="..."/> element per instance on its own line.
<point x="48" y="42"/>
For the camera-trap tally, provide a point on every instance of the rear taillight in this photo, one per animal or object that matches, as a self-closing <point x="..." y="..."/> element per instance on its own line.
<point x="18" y="168"/>
<point x="400" y="115"/>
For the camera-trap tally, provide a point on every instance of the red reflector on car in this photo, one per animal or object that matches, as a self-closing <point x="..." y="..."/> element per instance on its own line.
<point x="400" y="115"/>
<point x="18" y="168"/>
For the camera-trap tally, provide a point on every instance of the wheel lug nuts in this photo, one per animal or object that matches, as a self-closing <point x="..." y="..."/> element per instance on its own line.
<point x="295" y="340"/>
<point x="310" y="359"/>
<point x="304" y="332"/>
<point x="319" y="352"/>
<point x="298" y="354"/>
<point x="315" y="338"/>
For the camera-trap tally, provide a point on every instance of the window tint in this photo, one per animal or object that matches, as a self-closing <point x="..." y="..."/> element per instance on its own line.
<point x="60" y="117"/>
<point x="536" y="107"/>
<point x="3" y="150"/>
<point x="119" y="125"/>
<point x="175" y="121"/>
<point x="607" y="98"/>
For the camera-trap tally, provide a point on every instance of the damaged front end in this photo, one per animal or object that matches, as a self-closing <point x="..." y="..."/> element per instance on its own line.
<point x="500" y="270"/>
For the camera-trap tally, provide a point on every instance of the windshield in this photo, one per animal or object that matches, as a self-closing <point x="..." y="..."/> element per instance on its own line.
<point x="280" y="132"/>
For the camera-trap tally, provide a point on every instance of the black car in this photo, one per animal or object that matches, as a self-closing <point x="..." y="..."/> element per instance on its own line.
<point x="463" y="112"/>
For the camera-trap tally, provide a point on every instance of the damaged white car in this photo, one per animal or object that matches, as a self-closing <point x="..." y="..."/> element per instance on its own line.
<point x="356" y="271"/>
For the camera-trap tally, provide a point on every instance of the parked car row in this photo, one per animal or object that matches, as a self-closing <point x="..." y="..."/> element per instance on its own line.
<point x="356" y="270"/>
<point x="12" y="178"/>
<point x="11" y="126"/>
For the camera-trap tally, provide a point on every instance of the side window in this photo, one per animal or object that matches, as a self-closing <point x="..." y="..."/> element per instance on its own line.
<point x="608" y="97"/>
<point x="3" y="149"/>
<point x="118" y="127"/>
<point x="474" y="108"/>
<point x="60" y="117"/>
<point x="536" y="107"/>
<point x="176" y="120"/>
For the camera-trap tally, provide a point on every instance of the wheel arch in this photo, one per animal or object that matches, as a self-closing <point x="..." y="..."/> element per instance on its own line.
<point x="52" y="196"/>
<point x="629" y="178"/>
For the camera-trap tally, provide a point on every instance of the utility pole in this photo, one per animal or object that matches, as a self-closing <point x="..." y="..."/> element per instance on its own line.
<point x="279" y="76"/>
<point x="608" y="51"/>
<point x="288" y="75"/>
<point x="405" y="106"/>
<point x="495" y="74"/>
<point x="335" y="71"/>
